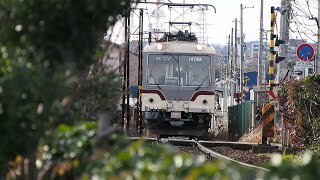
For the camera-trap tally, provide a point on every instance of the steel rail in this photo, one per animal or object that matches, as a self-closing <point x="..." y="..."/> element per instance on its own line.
<point x="204" y="149"/>
<point x="222" y="157"/>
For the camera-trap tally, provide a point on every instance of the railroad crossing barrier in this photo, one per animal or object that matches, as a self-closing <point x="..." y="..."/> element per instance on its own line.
<point x="267" y="122"/>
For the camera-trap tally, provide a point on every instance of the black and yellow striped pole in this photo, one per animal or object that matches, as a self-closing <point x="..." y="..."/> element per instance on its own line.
<point x="272" y="51"/>
<point x="268" y="115"/>
<point x="268" y="109"/>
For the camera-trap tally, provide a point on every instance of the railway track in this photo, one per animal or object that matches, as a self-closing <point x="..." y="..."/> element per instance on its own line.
<point x="238" y="153"/>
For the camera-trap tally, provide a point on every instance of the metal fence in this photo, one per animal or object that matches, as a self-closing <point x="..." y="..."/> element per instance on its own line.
<point x="239" y="120"/>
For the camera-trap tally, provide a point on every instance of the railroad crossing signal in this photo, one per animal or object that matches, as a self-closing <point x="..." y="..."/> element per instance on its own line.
<point x="278" y="43"/>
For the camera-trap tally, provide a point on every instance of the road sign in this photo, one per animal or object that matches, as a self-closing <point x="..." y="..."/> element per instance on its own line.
<point x="305" y="52"/>
<point x="302" y="65"/>
<point x="134" y="91"/>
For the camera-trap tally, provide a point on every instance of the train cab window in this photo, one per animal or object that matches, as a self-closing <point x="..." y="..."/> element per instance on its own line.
<point x="183" y="70"/>
<point x="162" y="69"/>
<point x="196" y="70"/>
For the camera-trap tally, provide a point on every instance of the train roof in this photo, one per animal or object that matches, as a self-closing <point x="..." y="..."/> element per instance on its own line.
<point x="179" y="47"/>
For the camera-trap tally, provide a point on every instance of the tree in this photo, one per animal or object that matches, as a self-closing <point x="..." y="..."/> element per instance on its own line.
<point x="46" y="46"/>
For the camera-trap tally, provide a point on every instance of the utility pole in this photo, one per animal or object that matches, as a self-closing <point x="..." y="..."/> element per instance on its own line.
<point x="125" y="104"/>
<point x="228" y="55"/>
<point x="317" y="69"/>
<point x="232" y="72"/>
<point x="264" y="54"/>
<point x="128" y="68"/>
<point x="124" y="77"/>
<point x="139" y="102"/>
<point x="241" y="49"/>
<point x="228" y="71"/>
<point x="259" y="75"/>
<point x="236" y="48"/>
<point x="284" y="35"/>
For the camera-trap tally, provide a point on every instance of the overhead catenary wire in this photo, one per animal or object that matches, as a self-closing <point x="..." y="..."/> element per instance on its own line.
<point x="300" y="31"/>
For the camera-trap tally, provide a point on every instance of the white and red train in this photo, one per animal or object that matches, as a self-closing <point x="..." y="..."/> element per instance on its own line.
<point x="178" y="86"/>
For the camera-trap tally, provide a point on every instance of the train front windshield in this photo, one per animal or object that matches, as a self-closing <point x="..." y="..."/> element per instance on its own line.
<point x="179" y="70"/>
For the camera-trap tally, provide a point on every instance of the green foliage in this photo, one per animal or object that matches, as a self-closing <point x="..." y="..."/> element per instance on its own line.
<point x="124" y="159"/>
<point x="46" y="49"/>
<point x="286" y="168"/>
<point x="301" y="102"/>
<point x="72" y="153"/>
<point x="57" y="30"/>
<point x="69" y="147"/>
<point x="98" y="93"/>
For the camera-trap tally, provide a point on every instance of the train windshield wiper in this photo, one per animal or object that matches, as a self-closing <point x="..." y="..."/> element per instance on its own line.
<point x="155" y="83"/>
<point x="158" y="85"/>
<point x="204" y="80"/>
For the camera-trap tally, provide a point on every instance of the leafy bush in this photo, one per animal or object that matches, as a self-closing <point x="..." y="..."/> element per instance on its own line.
<point x="300" y="100"/>
<point x="46" y="49"/>
<point x="286" y="168"/>
<point x="73" y="155"/>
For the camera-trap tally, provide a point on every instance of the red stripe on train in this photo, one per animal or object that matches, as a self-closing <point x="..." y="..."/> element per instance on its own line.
<point x="198" y="93"/>
<point x="154" y="91"/>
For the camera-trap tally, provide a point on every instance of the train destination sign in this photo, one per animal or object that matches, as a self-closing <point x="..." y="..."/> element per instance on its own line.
<point x="305" y="52"/>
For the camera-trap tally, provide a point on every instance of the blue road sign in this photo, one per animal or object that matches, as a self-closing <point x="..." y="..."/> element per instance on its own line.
<point x="305" y="52"/>
<point x="134" y="91"/>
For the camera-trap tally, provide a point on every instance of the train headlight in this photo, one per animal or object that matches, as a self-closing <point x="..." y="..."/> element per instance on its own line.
<point x="159" y="47"/>
<point x="205" y="101"/>
<point x="199" y="47"/>
<point x="186" y="105"/>
<point x="151" y="100"/>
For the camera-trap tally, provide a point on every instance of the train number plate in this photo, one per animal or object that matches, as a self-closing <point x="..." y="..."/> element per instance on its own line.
<point x="175" y="115"/>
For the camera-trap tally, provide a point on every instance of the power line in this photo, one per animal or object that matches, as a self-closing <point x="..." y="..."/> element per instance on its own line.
<point x="300" y="30"/>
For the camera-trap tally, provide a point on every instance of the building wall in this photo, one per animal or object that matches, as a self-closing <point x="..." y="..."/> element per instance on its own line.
<point x="114" y="59"/>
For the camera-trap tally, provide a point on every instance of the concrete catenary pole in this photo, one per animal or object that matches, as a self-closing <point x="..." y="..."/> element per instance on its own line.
<point x="242" y="52"/>
<point x="140" y="72"/>
<point x="228" y="69"/>
<point x="259" y="75"/>
<point x="124" y="85"/>
<point x="233" y="73"/>
<point x="241" y="49"/>
<point x="317" y="69"/>
<point x="284" y="35"/>
<point x="236" y="46"/>
<point x="128" y="70"/>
